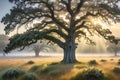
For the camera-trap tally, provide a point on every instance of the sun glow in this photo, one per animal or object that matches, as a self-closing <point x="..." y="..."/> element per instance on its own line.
<point x="98" y="21"/>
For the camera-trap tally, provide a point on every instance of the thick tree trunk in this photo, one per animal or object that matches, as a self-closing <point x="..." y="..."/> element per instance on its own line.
<point x="69" y="54"/>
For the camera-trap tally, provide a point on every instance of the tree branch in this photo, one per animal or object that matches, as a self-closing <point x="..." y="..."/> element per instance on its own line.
<point x="79" y="6"/>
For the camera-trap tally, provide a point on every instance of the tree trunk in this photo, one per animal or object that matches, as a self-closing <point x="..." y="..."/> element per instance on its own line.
<point x="115" y="53"/>
<point x="4" y="54"/>
<point x="37" y="53"/>
<point x="69" y="54"/>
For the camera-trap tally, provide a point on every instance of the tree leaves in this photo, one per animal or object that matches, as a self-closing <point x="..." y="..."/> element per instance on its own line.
<point x="70" y="18"/>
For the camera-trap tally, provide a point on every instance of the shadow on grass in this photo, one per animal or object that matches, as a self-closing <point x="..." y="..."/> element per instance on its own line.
<point x="52" y="71"/>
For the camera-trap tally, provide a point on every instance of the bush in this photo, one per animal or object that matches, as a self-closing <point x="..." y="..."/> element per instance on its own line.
<point x="54" y="63"/>
<point x="50" y="70"/>
<point x="111" y="59"/>
<point x="92" y="63"/>
<point x="12" y="73"/>
<point x="118" y="59"/>
<point x="80" y="67"/>
<point x="103" y="60"/>
<point x="118" y="62"/>
<point x="34" y="68"/>
<point x="47" y="69"/>
<point x="29" y="76"/>
<point x="55" y="72"/>
<point x="116" y="70"/>
<point x="30" y="62"/>
<point x="90" y="74"/>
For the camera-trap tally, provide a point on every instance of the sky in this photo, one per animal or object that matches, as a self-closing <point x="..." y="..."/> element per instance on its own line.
<point x="5" y="7"/>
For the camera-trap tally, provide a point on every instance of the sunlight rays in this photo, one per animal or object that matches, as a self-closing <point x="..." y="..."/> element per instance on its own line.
<point x="95" y="21"/>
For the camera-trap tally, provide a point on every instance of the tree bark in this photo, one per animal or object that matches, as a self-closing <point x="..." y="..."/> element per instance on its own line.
<point x="69" y="53"/>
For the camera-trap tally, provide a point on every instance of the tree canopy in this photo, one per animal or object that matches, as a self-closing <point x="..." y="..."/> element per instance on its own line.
<point x="3" y="42"/>
<point x="115" y="48"/>
<point x="62" y="22"/>
<point x="40" y="47"/>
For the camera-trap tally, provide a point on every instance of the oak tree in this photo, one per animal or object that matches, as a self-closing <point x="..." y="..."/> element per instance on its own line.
<point x="39" y="47"/>
<point x="63" y="22"/>
<point x="115" y="48"/>
<point x="3" y="43"/>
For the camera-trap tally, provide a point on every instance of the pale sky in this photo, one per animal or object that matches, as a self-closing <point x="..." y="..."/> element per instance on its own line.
<point x="5" y="7"/>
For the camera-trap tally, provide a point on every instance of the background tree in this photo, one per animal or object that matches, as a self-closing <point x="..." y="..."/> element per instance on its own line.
<point x="62" y="22"/>
<point x="39" y="47"/>
<point x="111" y="47"/>
<point x="3" y="43"/>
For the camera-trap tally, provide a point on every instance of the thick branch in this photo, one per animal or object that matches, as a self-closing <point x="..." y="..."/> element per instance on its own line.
<point x="79" y="6"/>
<point x="55" y="40"/>
<point x="68" y="6"/>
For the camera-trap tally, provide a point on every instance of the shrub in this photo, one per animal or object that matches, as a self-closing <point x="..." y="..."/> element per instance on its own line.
<point x="34" y="68"/>
<point x="111" y="59"/>
<point x="116" y="70"/>
<point x="54" y="63"/>
<point x="118" y="62"/>
<point x="80" y="67"/>
<point x="118" y="59"/>
<point x="103" y="60"/>
<point x="50" y="70"/>
<point x="90" y="74"/>
<point x="55" y="72"/>
<point x="92" y="63"/>
<point x="29" y="76"/>
<point x="30" y="62"/>
<point x="47" y="69"/>
<point x="12" y="73"/>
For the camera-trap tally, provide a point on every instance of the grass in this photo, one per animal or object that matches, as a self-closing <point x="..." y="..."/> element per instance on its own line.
<point x="30" y="62"/>
<point x="92" y="63"/>
<point x="116" y="70"/>
<point x="90" y="74"/>
<point x="49" y="69"/>
<point x="103" y="60"/>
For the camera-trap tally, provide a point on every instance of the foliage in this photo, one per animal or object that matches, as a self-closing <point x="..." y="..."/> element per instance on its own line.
<point x="92" y="63"/>
<point x="54" y="63"/>
<point x="12" y="73"/>
<point x="47" y="69"/>
<point x="52" y="70"/>
<point x="29" y="76"/>
<point x="118" y="62"/>
<point x="80" y="67"/>
<point x="111" y="47"/>
<point x="62" y="22"/>
<point x="116" y="70"/>
<point x="111" y="59"/>
<point x="30" y="62"/>
<point x="33" y="68"/>
<point x="55" y="72"/>
<point x="103" y="60"/>
<point x="90" y="74"/>
<point x="41" y="46"/>
<point x="3" y="42"/>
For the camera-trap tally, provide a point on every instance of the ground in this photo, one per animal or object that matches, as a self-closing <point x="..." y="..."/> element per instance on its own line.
<point x="68" y="70"/>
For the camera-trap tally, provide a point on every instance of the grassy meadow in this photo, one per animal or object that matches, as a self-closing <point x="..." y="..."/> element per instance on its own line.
<point x="49" y="68"/>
